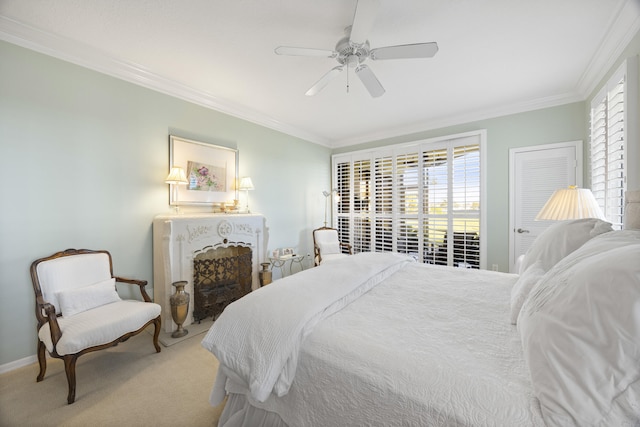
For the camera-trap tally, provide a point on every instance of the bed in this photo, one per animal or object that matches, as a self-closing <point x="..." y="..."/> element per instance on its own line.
<point x="376" y="339"/>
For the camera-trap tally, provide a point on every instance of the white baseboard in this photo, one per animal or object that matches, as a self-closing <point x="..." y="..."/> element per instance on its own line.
<point x="7" y="367"/>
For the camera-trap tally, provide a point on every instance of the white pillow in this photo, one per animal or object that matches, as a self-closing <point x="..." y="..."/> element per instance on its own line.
<point x="329" y="248"/>
<point x="522" y="287"/>
<point x="560" y="239"/>
<point x="549" y="284"/>
<point x="77" y="300"/>
<point x="580" y="332"/>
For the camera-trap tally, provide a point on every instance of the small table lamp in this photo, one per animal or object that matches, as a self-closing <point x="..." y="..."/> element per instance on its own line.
<point x="570" y="203"/>
<point x="176" y="177"/>
<point x="246" y="184"/>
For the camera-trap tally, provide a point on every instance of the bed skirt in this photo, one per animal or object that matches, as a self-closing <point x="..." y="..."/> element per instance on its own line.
<point x="238" y="412"/>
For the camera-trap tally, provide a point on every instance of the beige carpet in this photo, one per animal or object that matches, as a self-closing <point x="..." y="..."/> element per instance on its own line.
<point x="126" y="385"/>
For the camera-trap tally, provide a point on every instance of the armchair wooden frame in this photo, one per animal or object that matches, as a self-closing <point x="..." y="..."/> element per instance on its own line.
<point x="46" y="313"/>
<point x="317" y="256"/>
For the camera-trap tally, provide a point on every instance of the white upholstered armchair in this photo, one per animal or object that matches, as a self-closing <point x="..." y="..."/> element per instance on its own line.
<point x="327" y="246"/>
<point x="79" y="311"/>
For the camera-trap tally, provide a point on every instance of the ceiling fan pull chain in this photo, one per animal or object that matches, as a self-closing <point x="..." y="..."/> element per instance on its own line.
<point x="347" y="79"/>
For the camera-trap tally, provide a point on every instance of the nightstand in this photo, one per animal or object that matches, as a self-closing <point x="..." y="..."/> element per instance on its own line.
<point x="281" y="262"/>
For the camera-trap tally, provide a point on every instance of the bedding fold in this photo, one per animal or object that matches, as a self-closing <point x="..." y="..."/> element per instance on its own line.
<point x="257" y="338"/>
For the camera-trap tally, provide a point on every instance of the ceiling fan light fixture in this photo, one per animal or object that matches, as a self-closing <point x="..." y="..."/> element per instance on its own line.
<point x="353" y="61"/>
<point x="353" y="49"/>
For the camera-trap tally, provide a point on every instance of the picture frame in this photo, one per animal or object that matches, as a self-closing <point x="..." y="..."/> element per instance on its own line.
<point x="287" y="252"/>
<point x="211" y="171"/>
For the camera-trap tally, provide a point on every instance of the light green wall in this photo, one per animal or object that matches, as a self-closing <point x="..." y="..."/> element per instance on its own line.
<point x="545" y="126"/>
<point x="83" y="158"/>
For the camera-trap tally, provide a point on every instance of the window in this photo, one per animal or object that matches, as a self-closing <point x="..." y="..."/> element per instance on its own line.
<point x="610" y="134"/>
<point x="422" y="199"/>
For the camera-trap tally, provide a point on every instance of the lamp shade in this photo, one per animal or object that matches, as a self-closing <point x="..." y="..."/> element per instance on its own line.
<point x="570" y="203"/>
<point x="246" y="183"/>
<point x="176" y="176"/>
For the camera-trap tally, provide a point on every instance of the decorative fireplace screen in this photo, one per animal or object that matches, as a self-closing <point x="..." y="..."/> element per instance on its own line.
<point x="220" y="276"/>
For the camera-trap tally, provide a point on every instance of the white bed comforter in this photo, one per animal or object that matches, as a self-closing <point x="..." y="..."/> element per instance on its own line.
<point x="257" y="338"/>
<point x="429" y="346"/>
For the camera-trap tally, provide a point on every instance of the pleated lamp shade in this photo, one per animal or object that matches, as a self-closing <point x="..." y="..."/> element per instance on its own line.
<point x="570" y="203"/>
<point x="176" y="176"/>
<point x="246" y="183"/>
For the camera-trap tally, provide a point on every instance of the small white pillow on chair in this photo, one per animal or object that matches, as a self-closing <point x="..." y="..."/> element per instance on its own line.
<point x="327" y="248"/>
<point x="74" y="301"/>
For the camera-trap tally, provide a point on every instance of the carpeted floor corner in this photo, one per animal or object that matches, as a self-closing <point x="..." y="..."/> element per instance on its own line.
<point x="129" y="384"/>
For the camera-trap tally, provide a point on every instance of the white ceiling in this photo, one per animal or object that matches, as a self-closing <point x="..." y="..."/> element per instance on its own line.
<point x="496" y="56"/>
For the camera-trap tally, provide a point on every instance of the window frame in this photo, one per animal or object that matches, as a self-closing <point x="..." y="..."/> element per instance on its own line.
<point x="346" y="219"/>
<point x="601" y="178"/>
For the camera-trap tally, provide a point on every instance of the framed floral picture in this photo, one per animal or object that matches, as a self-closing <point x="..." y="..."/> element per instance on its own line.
<point x="211" y="172"/>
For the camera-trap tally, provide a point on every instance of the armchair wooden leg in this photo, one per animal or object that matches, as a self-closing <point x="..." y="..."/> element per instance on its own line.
<point x="42" y="360"/>
<point x="70" y="369"/>
<point x="156" y="333"/>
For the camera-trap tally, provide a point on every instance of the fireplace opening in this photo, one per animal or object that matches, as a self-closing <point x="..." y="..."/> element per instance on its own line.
<point x="220" y="276"/>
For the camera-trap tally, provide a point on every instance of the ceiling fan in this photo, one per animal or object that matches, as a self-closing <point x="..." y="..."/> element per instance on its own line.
<point x="353" y="49"/>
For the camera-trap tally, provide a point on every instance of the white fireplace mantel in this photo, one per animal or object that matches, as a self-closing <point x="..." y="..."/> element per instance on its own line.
<point x="177" y="237"/>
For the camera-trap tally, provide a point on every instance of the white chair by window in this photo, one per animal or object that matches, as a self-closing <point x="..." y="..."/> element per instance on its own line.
<point x="327" y="246"/>
<point x="79" y="311"/>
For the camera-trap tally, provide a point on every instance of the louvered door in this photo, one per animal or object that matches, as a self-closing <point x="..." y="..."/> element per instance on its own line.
<point x="536" y="172"/>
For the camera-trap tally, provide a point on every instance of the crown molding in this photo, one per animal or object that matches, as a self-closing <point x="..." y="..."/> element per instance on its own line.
<point x="26" y="36"/>
<point x="620" y="31"/>
<point x="622" y="28"/>
<point x="460" y="119"/>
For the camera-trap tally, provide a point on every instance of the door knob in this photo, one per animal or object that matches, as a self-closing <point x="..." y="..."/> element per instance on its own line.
<point x="522" y="230"/>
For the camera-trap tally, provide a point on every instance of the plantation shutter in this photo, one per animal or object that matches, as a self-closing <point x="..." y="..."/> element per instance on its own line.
<point x="435" y="190"/>
<point x="383" y="203"/>
<point x="342" y="175"/>
<point x="420" y="199"/>
<point x="615" y="154"/>
<point x="406" y="205"/>
<point x="465" y="209"/>
<point x="361" y="206"/>
<point x="608" y="144"/>
<point x="599" y="151"/>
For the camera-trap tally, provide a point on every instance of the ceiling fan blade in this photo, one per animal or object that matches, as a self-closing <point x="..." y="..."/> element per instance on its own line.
<point x="324" y="80"/>
<point x="365" y="16"/>
<point x="370" y="81"/>
<point x="305" y="51"/>
<point x="418" y="50"/>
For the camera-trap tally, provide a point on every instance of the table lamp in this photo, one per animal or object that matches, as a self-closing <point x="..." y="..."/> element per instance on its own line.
<point x="176" y="177"/>
<point x="246" y="184"/>
<point x="570" y="203"/>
